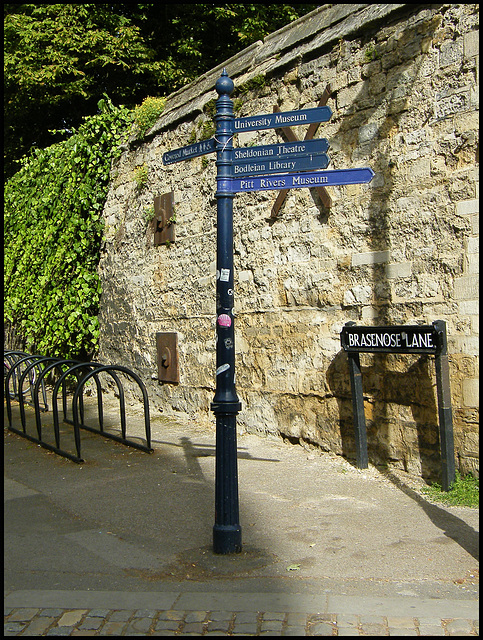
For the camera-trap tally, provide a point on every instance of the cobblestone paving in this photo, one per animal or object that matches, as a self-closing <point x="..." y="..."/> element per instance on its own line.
<point x="147" y="622"/>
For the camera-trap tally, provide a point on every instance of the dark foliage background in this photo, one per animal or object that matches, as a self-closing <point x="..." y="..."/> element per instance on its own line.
<point x="60" y="59"/>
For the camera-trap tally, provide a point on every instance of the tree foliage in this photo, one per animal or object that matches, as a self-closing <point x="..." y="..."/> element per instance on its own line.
<point x="60" y="58"/>
<point x="52" y="234"/>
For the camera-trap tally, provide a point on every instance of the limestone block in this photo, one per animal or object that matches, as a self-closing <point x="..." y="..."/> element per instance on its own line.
<point x="360" y="294"/>
<point x="467" y="207"/>
<point x="471" y="444"/>
<point x="466" y="288"/>
<point x="451" y="52"/>
<point x="452" y="104"/>
<point x="471" y="44"/>
<point x="398" y="270"/>
<point x="370" y="257"/>
<point x="471" y="392"/>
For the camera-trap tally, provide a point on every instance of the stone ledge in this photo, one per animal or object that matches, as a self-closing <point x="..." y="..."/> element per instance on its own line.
<point x="291" y="39"/>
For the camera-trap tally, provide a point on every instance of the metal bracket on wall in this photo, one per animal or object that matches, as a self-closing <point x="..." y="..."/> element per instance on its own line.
<point x="291" y="137"/>
<point x="164" y="219"/>
<point x="168" y="360"/>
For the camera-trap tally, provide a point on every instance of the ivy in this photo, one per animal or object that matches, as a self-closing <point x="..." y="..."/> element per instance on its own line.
<point x="52" y="235"/>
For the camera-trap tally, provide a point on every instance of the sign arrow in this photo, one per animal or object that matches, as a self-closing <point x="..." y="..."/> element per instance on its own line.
<point x="300" y="180"/>
<point x="282" y="119"/>
<point x="290" y="135"/>
<point x="280" y="150"/>
<point x="279" y="165"/>
<point x="190" y="151"/>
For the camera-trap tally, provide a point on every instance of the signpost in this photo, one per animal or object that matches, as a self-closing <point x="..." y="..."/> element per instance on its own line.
<point x="268" y="163"/>
<point x="430" y="339"/>
<point x="303" y="180"/>
<point x="225" y="405"/>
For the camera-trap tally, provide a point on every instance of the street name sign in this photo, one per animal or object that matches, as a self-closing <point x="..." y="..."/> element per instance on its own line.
<point x="190" y="151"/>
<point x="392" y="339"/>
<point x="329" y="178"/>
<point x="282" y="119"/>
<point x="428" y="339"/>
<point x="279" y="165"/>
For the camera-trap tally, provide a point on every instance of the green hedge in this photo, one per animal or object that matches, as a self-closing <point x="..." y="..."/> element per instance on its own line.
<point x="53" y="231"/>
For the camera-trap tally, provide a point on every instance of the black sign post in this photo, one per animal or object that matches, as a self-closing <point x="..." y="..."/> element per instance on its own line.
<point x="430" y="339"/>
<point x="444" y="409"/>
<point x="269" y="161"/>
<point x="225" y="405"/>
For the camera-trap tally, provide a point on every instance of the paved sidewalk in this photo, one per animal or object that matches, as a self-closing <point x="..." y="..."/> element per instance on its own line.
<point x="250" y="614"/>
<point x="121" y="544"/>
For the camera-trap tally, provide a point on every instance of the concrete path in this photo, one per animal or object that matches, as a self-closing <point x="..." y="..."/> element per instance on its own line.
<point x="121" y="544"/>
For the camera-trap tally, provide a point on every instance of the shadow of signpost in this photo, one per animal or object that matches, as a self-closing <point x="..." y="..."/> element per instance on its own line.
<point x="399" y="392"/>
<point x="149" y="515"/>
<point x="452" y="526"/>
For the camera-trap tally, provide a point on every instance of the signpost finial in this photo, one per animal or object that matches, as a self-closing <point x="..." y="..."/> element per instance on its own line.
<point x="224" y="85"/>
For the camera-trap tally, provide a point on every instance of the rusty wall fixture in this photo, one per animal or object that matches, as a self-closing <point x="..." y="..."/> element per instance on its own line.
<point x="168" y="361"/>
<point x="164" y="219"/>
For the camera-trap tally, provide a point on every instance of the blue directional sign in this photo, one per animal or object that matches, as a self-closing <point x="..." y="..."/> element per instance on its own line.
<point x="190" y="151"/>
<point x="300" y="180"/>
<point x="282" y="119"/>
<point x="280" y="150"/>
<point x="279" y="165"/>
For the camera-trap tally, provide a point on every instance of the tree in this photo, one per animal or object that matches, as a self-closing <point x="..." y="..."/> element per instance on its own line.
<point x="202" y="36"/>
<point x="59" y="59"/>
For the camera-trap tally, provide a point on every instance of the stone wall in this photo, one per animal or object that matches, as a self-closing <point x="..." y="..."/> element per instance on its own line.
<point x="402" y="250"/>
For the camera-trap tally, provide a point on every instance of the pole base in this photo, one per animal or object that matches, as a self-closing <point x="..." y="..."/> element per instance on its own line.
<point x="227" y="539"/>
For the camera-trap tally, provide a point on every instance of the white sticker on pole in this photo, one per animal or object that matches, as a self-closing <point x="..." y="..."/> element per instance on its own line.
<point x="225" y="275"/>
<point x="224" y="367"/>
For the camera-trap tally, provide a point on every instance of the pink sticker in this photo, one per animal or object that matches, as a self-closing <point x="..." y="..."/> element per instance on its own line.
<point x="224" y="320"/>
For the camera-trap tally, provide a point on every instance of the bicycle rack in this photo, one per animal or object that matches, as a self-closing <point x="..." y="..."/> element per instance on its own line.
<point x="36" y="368"/>
<point x="15" y="359"/>
<point x="122" y="407"/>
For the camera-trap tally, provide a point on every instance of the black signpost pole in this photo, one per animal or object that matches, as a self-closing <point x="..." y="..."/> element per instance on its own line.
<point x="225" y="405"/>
<point x="299" y="157"/>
